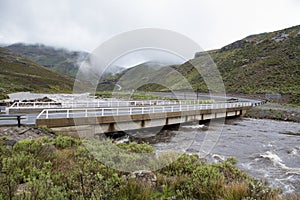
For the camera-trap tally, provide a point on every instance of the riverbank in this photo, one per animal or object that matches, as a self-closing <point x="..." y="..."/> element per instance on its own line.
<point x="275" y="111"/>
<point x="60" y="167"/>
<point x="10" y="135"/>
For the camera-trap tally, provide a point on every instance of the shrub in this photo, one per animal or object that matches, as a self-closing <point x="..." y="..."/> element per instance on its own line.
<point x="185" y="164"/>
<point x="206" y="182"/>
<point x="28" y="171"/>
<point x="30" y="146"/>
<point x="66" y="142"/>
<point x="136" y="148"/>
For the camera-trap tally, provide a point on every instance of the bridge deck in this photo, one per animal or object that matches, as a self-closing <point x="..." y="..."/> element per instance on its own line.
<point x="117" y="111"/>
<point x="130" y="118"/>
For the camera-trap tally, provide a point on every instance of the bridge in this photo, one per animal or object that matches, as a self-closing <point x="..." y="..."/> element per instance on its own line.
<point x="131" y="115"/>
<point x="112" y="116"/>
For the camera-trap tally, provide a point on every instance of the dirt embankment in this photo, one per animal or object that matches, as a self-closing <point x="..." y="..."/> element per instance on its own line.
<point x="275" y="111"/>
<point x="12" y="134"/>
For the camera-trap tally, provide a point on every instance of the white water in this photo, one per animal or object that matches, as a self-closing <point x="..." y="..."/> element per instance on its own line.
<point x="277" y="162"/>
<point x="195" y="126"/>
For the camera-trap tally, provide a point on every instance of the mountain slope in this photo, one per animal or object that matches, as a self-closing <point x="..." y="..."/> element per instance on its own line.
<point x="19" y="74"/>
<point x="262" y="63"/>
<point x="61" y="60"/>
<point x="136" y="76"/>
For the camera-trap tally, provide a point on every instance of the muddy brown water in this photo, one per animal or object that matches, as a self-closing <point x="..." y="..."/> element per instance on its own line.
<point x="266" y="149"/>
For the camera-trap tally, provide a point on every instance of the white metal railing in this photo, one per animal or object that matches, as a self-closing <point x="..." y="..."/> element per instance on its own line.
<point x="36" y="105"/>
<point x="100" y="103"/>
<point x="92" y="112"/>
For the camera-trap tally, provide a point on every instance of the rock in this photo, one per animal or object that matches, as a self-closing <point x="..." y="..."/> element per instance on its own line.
<point x="9" y="142"/>
<point x="234" y="45"/>
<point x="281" y="37"/>
<point x="145" y="177"/>
<point x="23" y="131"/>
<point x="202" y="53"/>
<point x="191" y="150"/>
<point x="298" y="34"/>
<point x="124" y="139"/>
<point x="22" y="188"/>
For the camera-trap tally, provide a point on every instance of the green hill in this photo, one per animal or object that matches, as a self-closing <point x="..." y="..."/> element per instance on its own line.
<point x="133" y="77"/>
<point x="263" y="63"/>
<point x="19" y="74"/>
<point x="58" y="59"/>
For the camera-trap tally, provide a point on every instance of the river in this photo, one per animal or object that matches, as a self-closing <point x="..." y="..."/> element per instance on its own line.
<point x="266" y="149"/>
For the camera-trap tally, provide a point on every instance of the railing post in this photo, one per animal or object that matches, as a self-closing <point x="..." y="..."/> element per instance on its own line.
<point x="47" y="114"/>
<point x="102" y="112"/>
<point x="130" y="110"/>
<point x="86" y="113"/>
<point x="68" y="113"/>
<point x="142" y="110"/>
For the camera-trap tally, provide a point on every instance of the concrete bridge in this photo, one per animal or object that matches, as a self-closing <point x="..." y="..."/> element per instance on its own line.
<point x="122" y="118"/>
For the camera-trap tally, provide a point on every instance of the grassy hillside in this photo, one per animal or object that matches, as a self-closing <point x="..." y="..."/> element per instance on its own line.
<point x="263" y="63"/>
<point x="133" y="77"/>
<point x="20" y="74"/>
<point x="61" y="60"/>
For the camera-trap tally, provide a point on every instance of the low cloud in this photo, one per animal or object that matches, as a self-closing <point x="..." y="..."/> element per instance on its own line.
<point x="83" y="25"/>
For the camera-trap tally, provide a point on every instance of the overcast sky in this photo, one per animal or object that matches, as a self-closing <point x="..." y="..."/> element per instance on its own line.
<point x="83" y="25"/>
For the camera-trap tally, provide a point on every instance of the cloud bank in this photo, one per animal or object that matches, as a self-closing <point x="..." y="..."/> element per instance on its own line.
<point x="83" y="25"/>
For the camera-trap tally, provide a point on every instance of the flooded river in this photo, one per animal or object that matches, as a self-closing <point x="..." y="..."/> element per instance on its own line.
<point x="266" y="149"/>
